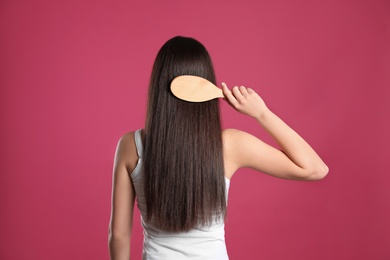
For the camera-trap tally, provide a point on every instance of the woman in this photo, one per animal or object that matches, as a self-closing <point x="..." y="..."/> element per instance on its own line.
<point x="180" y="165"/>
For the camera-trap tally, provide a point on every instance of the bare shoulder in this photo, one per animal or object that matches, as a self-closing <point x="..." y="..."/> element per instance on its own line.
<point x="126" y="151"/>
<point x="233" y="140"/>
<point x="127" y="139"/>
<point x="241" y="149"/>
<point x="231" y="134"/>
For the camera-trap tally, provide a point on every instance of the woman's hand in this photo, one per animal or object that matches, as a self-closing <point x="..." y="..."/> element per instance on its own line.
<point x="245" y="100"/>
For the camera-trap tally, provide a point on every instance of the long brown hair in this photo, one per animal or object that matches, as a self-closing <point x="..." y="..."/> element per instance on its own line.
<point x="183" y="164"/>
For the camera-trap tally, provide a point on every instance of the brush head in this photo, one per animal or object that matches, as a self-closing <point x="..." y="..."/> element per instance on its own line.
<point x="194" y="89"/>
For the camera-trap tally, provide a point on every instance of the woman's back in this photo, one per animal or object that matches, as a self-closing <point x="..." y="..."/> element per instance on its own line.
<point x="200" y="243"/>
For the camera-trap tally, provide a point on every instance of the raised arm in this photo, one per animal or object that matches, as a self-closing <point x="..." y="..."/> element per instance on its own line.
<point x="296" y="159"/>
<point x="123" y="196"/>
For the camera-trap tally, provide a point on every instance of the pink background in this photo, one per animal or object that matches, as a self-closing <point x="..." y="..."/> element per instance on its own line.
<point x="74" y="76"/>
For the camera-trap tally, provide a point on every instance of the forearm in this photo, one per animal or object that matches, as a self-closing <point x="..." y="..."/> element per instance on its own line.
<point x="119" y="248"/>
<point x="293" y="145"/>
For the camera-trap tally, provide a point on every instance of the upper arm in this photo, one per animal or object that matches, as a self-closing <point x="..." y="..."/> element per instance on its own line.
<point x="245" y="150"/>
<point x="123" y="194"/>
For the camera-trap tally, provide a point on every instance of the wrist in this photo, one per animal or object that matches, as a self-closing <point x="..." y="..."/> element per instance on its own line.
<point x="263" y="115"/>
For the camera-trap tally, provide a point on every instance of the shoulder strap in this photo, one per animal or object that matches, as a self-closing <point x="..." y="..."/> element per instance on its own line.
<point x="138" y="142"/>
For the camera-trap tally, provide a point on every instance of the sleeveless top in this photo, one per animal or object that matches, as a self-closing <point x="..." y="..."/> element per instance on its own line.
<point x="203" y="243"/>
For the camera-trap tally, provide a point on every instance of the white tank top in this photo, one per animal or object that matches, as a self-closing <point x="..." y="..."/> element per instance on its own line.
<point x="200" y="243"/>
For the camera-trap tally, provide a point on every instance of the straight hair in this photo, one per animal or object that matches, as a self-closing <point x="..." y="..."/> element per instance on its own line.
<point x="184" y="180"/>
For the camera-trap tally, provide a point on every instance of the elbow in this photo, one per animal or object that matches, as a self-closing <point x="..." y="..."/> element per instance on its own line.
<point x="118" y="244"/>
<point x="117" y="236"/>
<point x="118" y="241"/>
<point x="313" y="173"/>
<point x="318" y="173"/>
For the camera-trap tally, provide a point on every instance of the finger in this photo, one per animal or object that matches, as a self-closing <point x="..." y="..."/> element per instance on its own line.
<point x="250" y="91"/>
<point x="243" y="91"/>
<point x="237" y="94"/>
<point x="236" y="91"/>
<point x="228" y="94"/>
